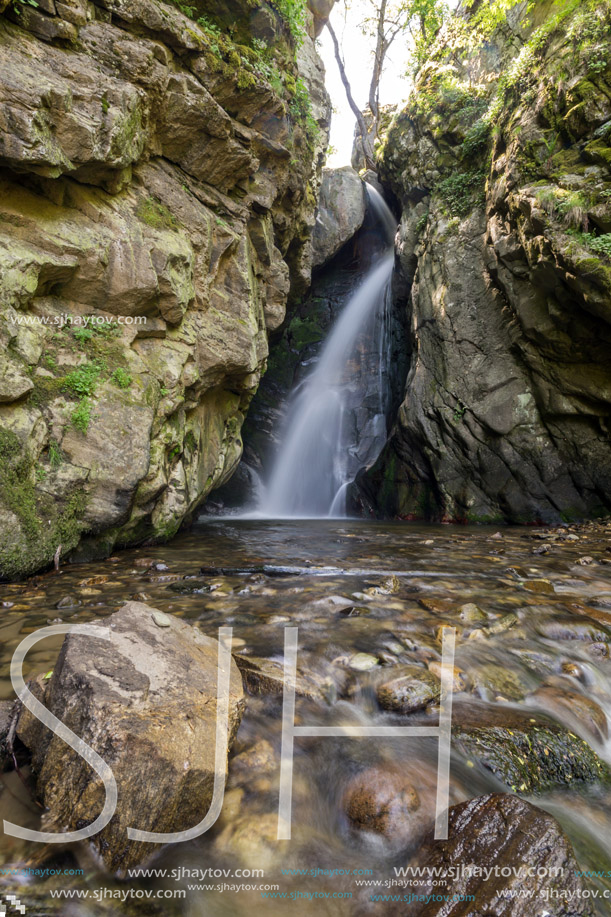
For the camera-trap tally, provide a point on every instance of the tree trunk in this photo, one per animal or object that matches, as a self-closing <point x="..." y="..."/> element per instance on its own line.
<point x="367" y="146"/>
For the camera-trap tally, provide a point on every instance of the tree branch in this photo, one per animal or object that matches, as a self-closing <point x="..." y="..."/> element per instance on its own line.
<point x="356" y="110"/>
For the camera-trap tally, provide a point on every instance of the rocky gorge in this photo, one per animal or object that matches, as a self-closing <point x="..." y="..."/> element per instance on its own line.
<point x="176" y="259"/>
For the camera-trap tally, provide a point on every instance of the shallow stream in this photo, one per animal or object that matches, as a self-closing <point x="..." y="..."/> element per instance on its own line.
<point x="366" y="597"/>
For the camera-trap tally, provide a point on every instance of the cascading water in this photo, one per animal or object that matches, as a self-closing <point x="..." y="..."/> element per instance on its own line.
<point x="337" y="417"/>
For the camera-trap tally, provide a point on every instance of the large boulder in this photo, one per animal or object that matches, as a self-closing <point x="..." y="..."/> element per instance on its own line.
<point x="492" y="834"/>
<point x="145" y="701"/>
<point x="341" y="211"/>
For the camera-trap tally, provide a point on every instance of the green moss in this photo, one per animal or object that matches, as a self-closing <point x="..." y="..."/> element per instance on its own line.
<point x="533" y="760"/>
<point x="155" y="214"/>
<point x="80" y="418"/>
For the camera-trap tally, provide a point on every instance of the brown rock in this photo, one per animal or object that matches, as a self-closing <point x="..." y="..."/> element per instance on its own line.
<point x="494" y="833"/>
<point x="146" y="702"/>
<point x="383" y="801"/>
<point x="411" y="688"/>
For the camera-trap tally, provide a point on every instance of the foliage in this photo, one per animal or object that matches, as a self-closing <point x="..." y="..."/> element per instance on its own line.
<point x="461" y="190"/>
<point x="571" y="206"/>
<point x="81" y="416"/>
<point x="294" y="14"/>
<point x="423" y="21"/>
<point x="19" y="4"/>
<point x="83" y="380"/>
<point x="121" y="378"/>
<point x="490" y="16"/>
<point x="93" y="330"/>
<point x="601" y="245"/>
<point x="55" y="454"/>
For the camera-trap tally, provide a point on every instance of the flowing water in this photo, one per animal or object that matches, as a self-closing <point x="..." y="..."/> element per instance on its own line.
<point x="337" y="419"/>
<point x="362" y="594"/>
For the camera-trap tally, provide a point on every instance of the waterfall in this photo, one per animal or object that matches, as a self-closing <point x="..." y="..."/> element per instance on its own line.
<point x="337" y="417"/>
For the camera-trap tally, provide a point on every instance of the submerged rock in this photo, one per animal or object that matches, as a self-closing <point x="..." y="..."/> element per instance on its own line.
<point x="266" y="676"/>
<point x="411" y="688"/>
<point x="146" y="702"/>
<point x="491" y="839"/>
<point x="383" y="801"/>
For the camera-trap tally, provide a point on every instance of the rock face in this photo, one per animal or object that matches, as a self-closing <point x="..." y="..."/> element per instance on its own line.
<point x="159" y="177"/>
<point x="146" y="702"/>
<point x="499" y="831"/>
<point x="341" y="211"/>
<point x="505" y="239"/>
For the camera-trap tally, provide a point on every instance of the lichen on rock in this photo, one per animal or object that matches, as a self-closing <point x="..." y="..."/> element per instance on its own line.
<point x="501" y="164"/>
<point x="159" y="168"/>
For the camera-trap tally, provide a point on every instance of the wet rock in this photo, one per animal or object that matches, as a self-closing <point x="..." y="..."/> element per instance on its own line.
<point x="460" y="679"/>
<point x="68" y="601"/>
<point x="585" y="561"/>
<point x="382" y="800"/>
<point x="470" y="613"/>
<point x="411" y="688"/>
<point x="259" y="758"/>
<point x="146" y="702"/>
<point x="571" y="628"/>
<point x="505" y="832"/>
<point x="389" y="586"/>
<point x="491" y="682"/>
<point x="575" y="709"/>
<point x="503" y="624"/>
<point x="363" y="662"/>
<point x="529" y="754"/>
<point x="542" y="549"/>
<point x="266" y="676"/>
<point x="252" y="840"/>
<point x="539" y="587"/>
<point x="94" y="580"/>
<point x="437" y="606"/>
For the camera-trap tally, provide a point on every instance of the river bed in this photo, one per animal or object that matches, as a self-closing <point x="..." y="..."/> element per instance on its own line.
<point x="366" y="597"/>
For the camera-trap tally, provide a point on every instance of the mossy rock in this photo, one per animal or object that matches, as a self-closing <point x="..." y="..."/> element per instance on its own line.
<point x="531" y="756"/>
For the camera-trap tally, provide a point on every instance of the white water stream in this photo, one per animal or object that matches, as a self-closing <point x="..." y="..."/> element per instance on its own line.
<point x="337" y="416"/>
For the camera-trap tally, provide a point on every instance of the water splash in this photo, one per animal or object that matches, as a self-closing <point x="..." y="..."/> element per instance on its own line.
<point x="337" y="417"/>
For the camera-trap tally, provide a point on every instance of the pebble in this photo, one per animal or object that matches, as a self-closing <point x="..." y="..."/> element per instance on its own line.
<point x="161" y="619"/>
<point x="540" y="587"/>
<point x="363" y="662"/>
<point x="585" y="561"/>
<point x="470" y="613"/>
<point x="68" y="601"/>
<point x="410" y="689"/>
<point x="542" y="549"/>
